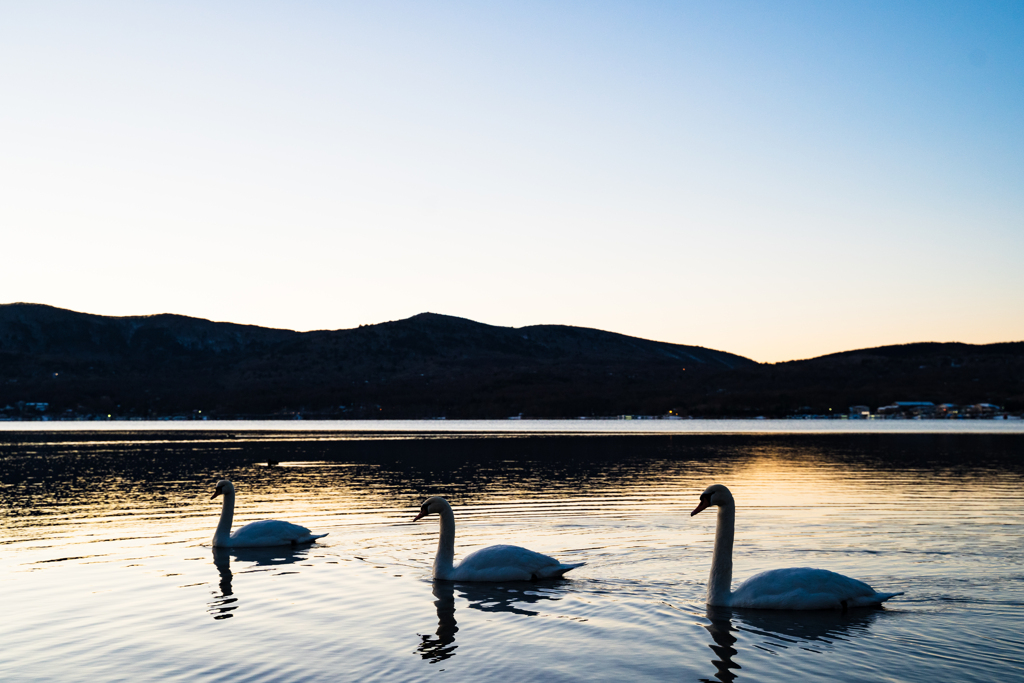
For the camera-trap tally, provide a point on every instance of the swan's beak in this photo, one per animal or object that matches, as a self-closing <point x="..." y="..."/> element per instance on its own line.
<point x="423" y="513"/>
<point x="699" y="508"/>
<point x="215" y="494"/>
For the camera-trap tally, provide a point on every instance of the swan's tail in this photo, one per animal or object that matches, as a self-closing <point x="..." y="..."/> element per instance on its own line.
<point x="871" y="600"/>
<point x="557" y="570"/>
<point x="308" y="539"/>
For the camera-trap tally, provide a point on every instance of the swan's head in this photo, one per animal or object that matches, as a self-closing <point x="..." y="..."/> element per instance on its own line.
<point x="223" y="486"/>
<point x="716" y="494"/>
<point x="434" y="504"/>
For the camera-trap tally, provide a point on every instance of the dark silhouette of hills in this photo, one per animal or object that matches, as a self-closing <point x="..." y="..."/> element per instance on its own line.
<point x="435" y="365"/>
<point x="426" y="366"/>
<point x="961" y="374"/>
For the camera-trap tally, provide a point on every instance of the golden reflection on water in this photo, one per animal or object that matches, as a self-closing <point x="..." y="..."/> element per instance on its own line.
<point x="131" y="520"/>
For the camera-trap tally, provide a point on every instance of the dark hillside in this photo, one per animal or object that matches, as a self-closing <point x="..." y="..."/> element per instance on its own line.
<point x="938" y="372"/>
<point x="435" y="365"/>
<point x="428" y="365"/>
<point x="38" y="330"/>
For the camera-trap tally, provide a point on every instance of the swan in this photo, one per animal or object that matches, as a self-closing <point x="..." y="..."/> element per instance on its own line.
<point x="494" y="563"/>
<point x="794" y="588"/>
<point x="261" y="534"/>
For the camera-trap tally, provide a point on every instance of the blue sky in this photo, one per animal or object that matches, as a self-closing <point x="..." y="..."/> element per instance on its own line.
<point x="779" y="180"/>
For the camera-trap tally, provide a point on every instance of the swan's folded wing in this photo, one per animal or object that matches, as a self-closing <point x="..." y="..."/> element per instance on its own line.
<point x="508" y="563"/>
<point x="804" y="588"/>
<point x="271" y="532"/>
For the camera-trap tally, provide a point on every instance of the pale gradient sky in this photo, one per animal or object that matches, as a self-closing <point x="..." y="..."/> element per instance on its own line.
<point x="778" y="180"/>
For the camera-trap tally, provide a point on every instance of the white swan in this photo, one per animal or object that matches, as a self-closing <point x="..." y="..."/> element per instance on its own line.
<point x="494" y="563"/>
<point x="795" y="588"/>
<point x="265" y="533"/>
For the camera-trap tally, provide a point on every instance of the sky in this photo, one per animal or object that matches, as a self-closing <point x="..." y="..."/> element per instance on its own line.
<point x="779" y="180"/>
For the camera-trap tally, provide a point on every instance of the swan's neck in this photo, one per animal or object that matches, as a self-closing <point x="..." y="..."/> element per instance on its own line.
<point x="720" y="581"/>
<point x="444" y="561"/>
<point x="227" y="516"/>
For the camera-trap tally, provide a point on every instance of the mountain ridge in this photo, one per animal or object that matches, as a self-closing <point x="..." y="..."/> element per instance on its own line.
<point x="433" y="365"/>
<point x="427" y="365"/>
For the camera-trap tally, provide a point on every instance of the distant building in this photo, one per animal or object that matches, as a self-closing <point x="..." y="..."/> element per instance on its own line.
<point x="908" y="409"/>
<point x="981" y="410"/>
<point x="860" y="412"/>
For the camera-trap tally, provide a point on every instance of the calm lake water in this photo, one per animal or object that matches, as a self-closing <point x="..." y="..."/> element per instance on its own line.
<point x="108" y="573"/>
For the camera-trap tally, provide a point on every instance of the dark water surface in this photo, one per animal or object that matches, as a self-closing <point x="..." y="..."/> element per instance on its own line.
<point x="108" y="573"/>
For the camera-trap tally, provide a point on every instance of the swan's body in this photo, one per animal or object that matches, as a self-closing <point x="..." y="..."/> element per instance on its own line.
<point x="805" y="588"/>
<point x="494" y="563"/>
<point x="795" y="588"/>
<point x="262" y="534"/>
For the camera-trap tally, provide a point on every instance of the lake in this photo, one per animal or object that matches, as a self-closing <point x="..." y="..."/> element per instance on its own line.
<point x="108" y="573"/>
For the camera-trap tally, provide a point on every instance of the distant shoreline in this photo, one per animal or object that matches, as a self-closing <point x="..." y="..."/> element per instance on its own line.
<point x="536" y="427"/>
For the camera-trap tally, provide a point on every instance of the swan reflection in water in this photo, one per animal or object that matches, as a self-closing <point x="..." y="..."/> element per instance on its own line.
<point x="224" y="603"/>
<point x="782" y="628"/>
<point x="439" y="647"/>
<point x="505" y="597"/>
